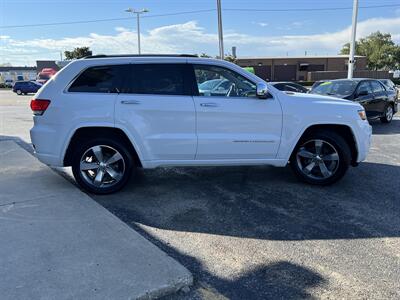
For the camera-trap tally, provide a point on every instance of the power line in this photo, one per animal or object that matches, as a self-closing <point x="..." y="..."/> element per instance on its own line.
<point x="106" y="20"/>
<point x="198" y="11"/>
<point x="310" y="9"/>
<point x="182" y="13"/>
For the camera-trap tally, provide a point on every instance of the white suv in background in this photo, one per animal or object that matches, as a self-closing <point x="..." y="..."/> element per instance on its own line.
<point x="105" y="115"/>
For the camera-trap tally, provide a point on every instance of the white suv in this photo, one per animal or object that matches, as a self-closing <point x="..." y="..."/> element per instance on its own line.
<point x="106" y="115"/>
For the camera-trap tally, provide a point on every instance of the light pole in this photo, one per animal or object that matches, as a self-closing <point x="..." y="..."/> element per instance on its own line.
<point x="137" y="12"/>
<point x="220" y="33"/>
<point x="353" y="40"/>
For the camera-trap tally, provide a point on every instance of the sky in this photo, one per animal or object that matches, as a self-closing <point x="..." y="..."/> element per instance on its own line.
<point x="255" y="27"/>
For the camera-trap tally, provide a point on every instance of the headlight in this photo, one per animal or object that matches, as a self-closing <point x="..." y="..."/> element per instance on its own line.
<point x="362" y="114"/>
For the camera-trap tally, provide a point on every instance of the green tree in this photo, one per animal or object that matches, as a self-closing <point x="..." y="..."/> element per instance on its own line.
<point x="229" y="57"/>
<point x="78" y="52"/>
<point x="381" y="52"/>
<point x="205" y="55"/>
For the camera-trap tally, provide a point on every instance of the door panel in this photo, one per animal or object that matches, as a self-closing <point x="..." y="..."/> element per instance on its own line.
<point x="235" y="124"/>
<point x="157" y="108"/>
<point x="163" y="124"/>
<point x="380" y="98"/>
<point x="239" y="128"/>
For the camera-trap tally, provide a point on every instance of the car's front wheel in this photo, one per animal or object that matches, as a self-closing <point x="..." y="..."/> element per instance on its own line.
<point x="102" y="165"/>
<point x="388" y="114"/>
<point x="321" y="158"/>
<point x="19" y="92"/>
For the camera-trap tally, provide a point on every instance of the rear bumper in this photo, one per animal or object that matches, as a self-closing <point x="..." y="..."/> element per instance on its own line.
<point x="48" y="159"/>
<point x="46" y="143"/>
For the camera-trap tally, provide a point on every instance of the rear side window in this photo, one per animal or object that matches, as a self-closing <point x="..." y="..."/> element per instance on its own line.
<point x="161" y="79"/>
<point x="103" y="79"/>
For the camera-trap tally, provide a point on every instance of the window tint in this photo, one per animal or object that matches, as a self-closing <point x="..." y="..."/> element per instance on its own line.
<point x="161" y="79"/>
<point x="364" y="87"/>
<point x="104" y="79"/>
<point x="229" y="83"/>
<point x="376" y="87"/>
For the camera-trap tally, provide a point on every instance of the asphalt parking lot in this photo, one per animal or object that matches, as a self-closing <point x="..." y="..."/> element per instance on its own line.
<point x="256" y="232"/>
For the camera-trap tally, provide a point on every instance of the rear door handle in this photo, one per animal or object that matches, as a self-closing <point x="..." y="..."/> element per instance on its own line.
<point x="130" y="102"/>
<point x="210" y="104"/>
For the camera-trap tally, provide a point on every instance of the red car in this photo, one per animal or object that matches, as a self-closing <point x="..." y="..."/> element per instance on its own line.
<point x="45" y="75"/>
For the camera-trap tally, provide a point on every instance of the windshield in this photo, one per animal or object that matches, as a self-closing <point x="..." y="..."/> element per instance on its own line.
<point x="388" y="83"/>
<point x="341" y="88"/>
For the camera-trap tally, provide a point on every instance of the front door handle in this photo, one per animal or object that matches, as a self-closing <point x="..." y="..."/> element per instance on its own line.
<point x="210" y="104"/>
<point x="130" y="102"/>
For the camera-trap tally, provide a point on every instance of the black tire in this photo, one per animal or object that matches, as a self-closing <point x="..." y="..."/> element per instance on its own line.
<point x="109" y="143"/>
<point x="19" y="92"/>
<point x="341" y="151"/>
<point x="388" y="115"/>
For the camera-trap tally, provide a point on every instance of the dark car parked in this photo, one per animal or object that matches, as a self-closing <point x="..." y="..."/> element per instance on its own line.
<point x="290" y="87"/>
<point x="25" y="87"/>
<point x="379" y="101"/>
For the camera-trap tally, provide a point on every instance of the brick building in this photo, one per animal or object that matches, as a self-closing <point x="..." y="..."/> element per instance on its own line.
<point x="299" y="68"/>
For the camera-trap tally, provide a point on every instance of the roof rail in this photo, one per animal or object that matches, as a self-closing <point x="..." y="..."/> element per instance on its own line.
<point x="138" y="55"/>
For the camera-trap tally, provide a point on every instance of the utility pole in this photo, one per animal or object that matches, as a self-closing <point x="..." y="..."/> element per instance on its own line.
<point x="353" y="40"/>
<point x="137" y="12"/>
<point x="220" y="33"/>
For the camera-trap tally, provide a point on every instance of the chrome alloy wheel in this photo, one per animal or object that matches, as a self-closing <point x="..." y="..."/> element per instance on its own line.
<point x="389" y="113"/>
<point x="102" y="166"/>
<point x="317" y="159"/>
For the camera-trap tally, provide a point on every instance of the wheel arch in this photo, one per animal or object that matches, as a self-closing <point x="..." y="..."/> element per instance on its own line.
<point x="99" y="131"/>
<point x="344" y="131"/>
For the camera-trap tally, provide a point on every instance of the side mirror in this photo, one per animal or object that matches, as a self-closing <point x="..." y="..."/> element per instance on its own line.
<point x="262" y="90"/>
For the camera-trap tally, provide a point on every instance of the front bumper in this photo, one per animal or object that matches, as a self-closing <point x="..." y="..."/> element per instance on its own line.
<point x="364" y="137"/>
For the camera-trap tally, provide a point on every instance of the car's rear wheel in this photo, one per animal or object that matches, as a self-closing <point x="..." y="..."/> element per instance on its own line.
<point x="102" y="165"/>
<point x="321" y="158"/>
<point x="388" y="115"/>
<point x="19" y="92"/>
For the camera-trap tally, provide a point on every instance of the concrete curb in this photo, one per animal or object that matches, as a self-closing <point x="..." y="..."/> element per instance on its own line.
<point x="58" y="243"/>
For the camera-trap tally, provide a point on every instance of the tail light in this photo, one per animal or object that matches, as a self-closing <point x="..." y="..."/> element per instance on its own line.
<point x="39" y="106"/>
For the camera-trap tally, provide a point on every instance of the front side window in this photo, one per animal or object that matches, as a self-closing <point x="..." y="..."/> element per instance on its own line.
<point x="102" y="79"/>
<point x="222" y="82"/>
<point x="160" y="79"/>
<point x="364" y="88"/>
<point x="376" y="87"/>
